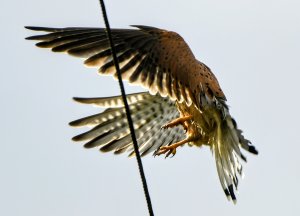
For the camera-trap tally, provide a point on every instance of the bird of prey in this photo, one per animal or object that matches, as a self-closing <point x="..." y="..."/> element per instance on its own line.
<point x="184" y="103"/>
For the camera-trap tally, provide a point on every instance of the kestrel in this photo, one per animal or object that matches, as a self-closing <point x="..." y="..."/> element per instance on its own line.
<point x="184" y="103"/>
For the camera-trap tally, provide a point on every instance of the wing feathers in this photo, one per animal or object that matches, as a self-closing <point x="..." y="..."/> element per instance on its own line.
<point x="78" y="43"/>
<point x="143" y="54"/>
<point x="110" y="130"/>
<point x="114" y="102"/>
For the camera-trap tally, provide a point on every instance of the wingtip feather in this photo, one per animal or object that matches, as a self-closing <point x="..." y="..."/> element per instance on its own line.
<point x="77" y="138"/>
<point x="79" y="100"/>
<point x="39" y="28"/>
<point x="253" y="150"/>
<point x="34" y="28"/>
<point x="73" y="123"/>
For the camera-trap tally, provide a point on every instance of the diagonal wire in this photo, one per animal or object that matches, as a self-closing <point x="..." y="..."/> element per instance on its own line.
<point x="129" y="119"/>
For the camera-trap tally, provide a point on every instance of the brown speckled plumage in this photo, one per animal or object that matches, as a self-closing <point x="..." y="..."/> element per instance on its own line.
<point x="183" y="91"/>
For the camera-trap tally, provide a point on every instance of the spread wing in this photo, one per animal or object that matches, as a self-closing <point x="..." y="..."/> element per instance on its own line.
<point x="154" y="58"/>
<point x="110" y="131"/>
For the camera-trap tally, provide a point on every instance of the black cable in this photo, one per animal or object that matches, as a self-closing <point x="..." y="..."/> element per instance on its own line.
<point x="129" y="119"/>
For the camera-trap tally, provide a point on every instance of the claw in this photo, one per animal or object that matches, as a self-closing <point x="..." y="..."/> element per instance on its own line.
<point x="168" y="150"/>
<point x="165" y="126"/>
<point x="171" y="149"/>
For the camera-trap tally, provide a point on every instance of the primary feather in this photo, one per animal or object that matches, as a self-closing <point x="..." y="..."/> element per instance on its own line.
<point x="179" y="86"/>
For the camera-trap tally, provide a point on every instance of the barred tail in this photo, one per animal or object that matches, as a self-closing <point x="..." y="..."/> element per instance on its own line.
<point x="226" y="144"/>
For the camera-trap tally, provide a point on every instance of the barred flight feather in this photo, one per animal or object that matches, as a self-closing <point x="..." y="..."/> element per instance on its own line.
<point x="179" y="86"/>
<point x="110" y="129"/>
<point x="137" y="51"/>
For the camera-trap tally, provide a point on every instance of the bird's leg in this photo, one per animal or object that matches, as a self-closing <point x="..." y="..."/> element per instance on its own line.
<point x="171" y="149"/>
<point x="178" y="121"/>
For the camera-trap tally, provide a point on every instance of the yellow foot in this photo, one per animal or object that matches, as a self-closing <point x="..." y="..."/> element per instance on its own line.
<point x="168" y="150"/>
<point x="178" y="121"/>
<point x="171" y="149"/>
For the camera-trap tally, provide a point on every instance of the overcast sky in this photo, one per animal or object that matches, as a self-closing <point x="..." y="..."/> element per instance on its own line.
<point x="252" y="47"/>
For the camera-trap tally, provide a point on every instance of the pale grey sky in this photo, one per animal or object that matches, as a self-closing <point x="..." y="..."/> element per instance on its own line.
<point x="252" y="47"/>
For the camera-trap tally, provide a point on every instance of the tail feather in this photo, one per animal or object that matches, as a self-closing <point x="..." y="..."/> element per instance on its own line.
<point x="223" y="177"/>
<point x="226" y="145"/>
<point x="244" y="143"/>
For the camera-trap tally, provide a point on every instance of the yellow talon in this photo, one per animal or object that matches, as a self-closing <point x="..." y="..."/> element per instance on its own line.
<point x="171" y="149"/>
<point x="167" y="150"/>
